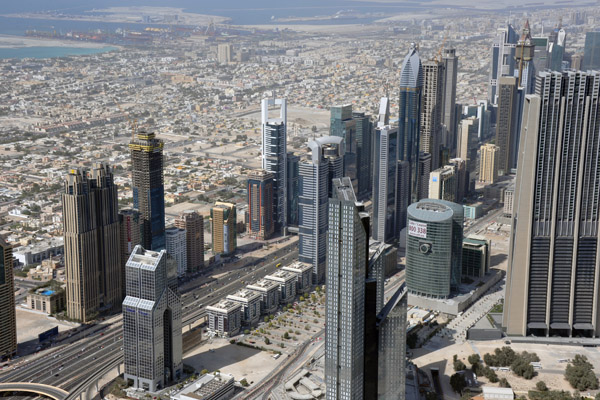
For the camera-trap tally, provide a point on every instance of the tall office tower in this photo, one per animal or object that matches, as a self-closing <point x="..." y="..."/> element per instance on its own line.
<point x="152" y="344"/>
<point x="402" y="194"/>
<point x="424" y="171"/>
<point x="552" y="277"/>
<point x="130" y="227"/>
<point x="347" y="241"/>
<point x="540" y="52"/>
<point x="442" y="184"/>
<point x="343" y="125"/>
<point x="383" y="260"/>
<point x="193" y="223"/>
<point x="503" y="59"/>
<point x="385" y="175"/>
<point x="176" y="248"/>
<point x="91" y="236"/>
<point x="556" y="49"/>
<point x="460" y="170"/>
<point x="483" y="112"/>
<point x="577" y="61"/>
<point x="411" y="88"/>
<point x="450" y="64"/>
<point x="292" y="182"/>
<point x="524" y="67"/>
<point x="591" y="51"/>
<point x="260" y="204"/>
<point x="434" y="248"/>
<point x="431" y="110"/>
<point x="223" y="218"/>
<point x="506" y="125"/>
<point x="467" y="143"/>
<point x="8" y="319"/>
<point x="316" y="173"/>
<point x="364" y="143"/>
<point x="488" y="163"/>
<point x="224" y="53"/>
<point x="274" y="157"/>
<point x="148" y="187"/>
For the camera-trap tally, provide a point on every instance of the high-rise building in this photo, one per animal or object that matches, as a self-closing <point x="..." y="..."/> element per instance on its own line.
<point x="506" y="125"/>
<point x="467" y="143"/>
<point x="383" y="261"/>
<point x="193" y="224"/>
<point x="224" y="53"/>
<point x="130" y="227"/>
<point x="260" y="204"/>
<point x="274" y="157"/>
<point x="223" y="218"/>
<point x="148" y="187"/>
<point x="364" y="139"/>
<point x="591" y="52"/>
<point x="460" y="171"/>
<point x="424" y="171"/>
<point x="434" y="248"/>
<point x="488" y="163"/>
<point x="553" y="254"/>
<point x="293" y="188"/>
<point x="503" y="59"/>
<point x="476" y="257"/>
<point x="483" y="113"/>
<point x="347" y="242"/>
<point x="556" y="49"/>
<point x="8" y="319"/>
<point x="442" y="184"/>
<point x="402" y="194"/>
<point x="541" y="52"/>
<point x="431" y="110"/>
<point x="385" y="175"/>
<point x="411" y="88"/>
<point x="317" y="171"/>
<point x="152" y="344"/>
<point x="524" y="67"/>
<point x="91" y="240"/>
<point x="176" y="248"/>
<point x="450" y="63"/>
<point x="343" y="125"/>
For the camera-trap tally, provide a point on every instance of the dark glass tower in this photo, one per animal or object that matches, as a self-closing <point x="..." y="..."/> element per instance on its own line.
<point x="148" y="188"/>
<point x="343" y="125"/>
<point x="364" y="138"/>
<point x="591" y="54"/>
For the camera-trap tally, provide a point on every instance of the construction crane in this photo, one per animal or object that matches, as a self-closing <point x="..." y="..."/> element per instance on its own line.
<point x="132" y="123"/>
<point x="439" y="53"/>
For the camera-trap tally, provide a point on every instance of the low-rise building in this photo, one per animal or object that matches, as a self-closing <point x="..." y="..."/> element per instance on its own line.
<point x="475" y="257"/>
<point x="269" y="292"/>
<point x="250" y="301"/>
<point x="38" y="252"/>
<point x="287" y="285"/>
<point x="225" y="318"/>
<point x="303" y="273"/>
<point x="215" y="386"/>
<point x="47" y="300"/>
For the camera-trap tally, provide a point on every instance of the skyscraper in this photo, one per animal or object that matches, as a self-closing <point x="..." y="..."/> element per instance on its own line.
<point x="148" y="187"/>
<point x="424" y="171"/>
<point x="556" y="49"/>
<point x="176" y="248"/>
<point x="293" y="181"/>
<point x="591" y="53"/>
<point x="460" y="170"/>
<point x="488" y="163"/>
<point x="503" y="59"/>
<point x="193" y="223"/>
<point x="274" y="157"/>
<point x="130" y="226"/>
<point x="364" y="139"/>
<point x="91" y="237"/>
<point x="411" y="87"/>
<point x="524" y="66"/>
<point x="442" y="184"/>
<point x="343" y="125"/>
<point x="347" y="241"/>
<point x="152" y="344"/>
<point x="223" y="219"/>
<point x="506" y="125"/>
<point x="553" y="255"/>
<point x="316" y="173"/>
<point x="8" y="319"/>
<point x="431" y="110"/>
<point x="450" y="64"/>
<point x="466" y="146"/>
<point x="402" y="194"/>
<point x="385" y="175"/>
<point x="260" y="204"/>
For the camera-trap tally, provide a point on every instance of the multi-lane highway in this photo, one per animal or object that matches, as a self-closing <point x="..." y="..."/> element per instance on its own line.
<point x="69" y="364"/>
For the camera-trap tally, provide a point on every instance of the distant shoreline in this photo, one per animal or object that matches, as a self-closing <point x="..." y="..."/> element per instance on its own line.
<point x="16" y="42"/>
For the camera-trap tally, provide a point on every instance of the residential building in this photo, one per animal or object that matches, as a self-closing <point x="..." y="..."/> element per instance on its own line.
<point x="442" y="184"/>
<point x="176" y="245"/>
<point x="269" y="295"/>
<point x="47" y="300"/>
<point x="147" y="182"/>
<point x="250" y="301"/>
<point x="506" y="124"/>
<point x="476" y="257"/>
<point x="152" y="343"/>
<point x="223" y="220"/>
<point x="193" y="224"/>
<point x="591" y="52"/>
<point x="225" y="318"/>
<point x="488" y="163"/>
<point x="224" y="53"/>
<point x="91" y="238"/>
<point x="130" y="228"/>
<point x="260" y="204"/>
<point x="467" y="144"/>
<point x="431" y="110"/>
<point x="346" y="273"/>
<point x="509" y="196"/>
<point x="502" y="59"/>
<point x="462" y="182"/>
<point x="449" y="124"/>
<point x="303" y="273"/>
<point x="553" y="251"/>
<point x="287" y="282"/>
<point x="8" y="319"/>
<point x="274" y="157"/>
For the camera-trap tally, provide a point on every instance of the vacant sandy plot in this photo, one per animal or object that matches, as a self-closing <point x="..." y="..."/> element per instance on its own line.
<point x="239" y="361"/>
<point x="30" y="324"/>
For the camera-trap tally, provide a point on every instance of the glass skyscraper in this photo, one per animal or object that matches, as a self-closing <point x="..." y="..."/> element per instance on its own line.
<point x="385" y="173"/>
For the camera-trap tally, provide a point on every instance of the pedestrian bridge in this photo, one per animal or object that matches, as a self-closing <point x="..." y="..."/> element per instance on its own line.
<point x="35" y="388"/>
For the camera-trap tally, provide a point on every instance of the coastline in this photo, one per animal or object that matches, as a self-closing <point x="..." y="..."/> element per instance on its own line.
<point x="16" y="42"/>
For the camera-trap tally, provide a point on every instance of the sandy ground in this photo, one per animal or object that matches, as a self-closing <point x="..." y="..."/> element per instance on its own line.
<point x="30" y="324"/>
<point x="8" y="41"/>
<point x="241" y="362"/>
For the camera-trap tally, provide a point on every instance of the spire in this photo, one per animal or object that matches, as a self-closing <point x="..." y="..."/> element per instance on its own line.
<point x="526" y="34"/>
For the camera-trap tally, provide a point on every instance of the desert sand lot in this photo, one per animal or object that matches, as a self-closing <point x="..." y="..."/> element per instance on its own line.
<point x="30" y="324"/>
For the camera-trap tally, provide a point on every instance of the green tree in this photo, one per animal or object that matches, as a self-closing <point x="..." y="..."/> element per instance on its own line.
<point x="267" y="341"/>
<point x="504" y="383"/>
<point x="459" y="365"/>
<point x="473" y="359"/>
<point x="286" y="336"/>
<point x="580" y="374"/>
<point x="457" y="382"/>
<point x="541" y="386"/>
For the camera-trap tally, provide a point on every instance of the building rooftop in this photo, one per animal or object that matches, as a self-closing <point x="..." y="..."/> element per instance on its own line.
<point x="205" y="386"/>
<point x="263" y="284"/>
<point x="298" y="266"/>
<point x="243" y="294"/>
<point x="281" y="275"/>
<point x="224" y="306"/>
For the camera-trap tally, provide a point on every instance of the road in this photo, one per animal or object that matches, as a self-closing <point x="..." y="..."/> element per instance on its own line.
<point x="75" y="359"/>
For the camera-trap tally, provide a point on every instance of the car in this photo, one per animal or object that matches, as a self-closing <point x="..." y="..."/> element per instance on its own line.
<point x="56" y="374"/>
